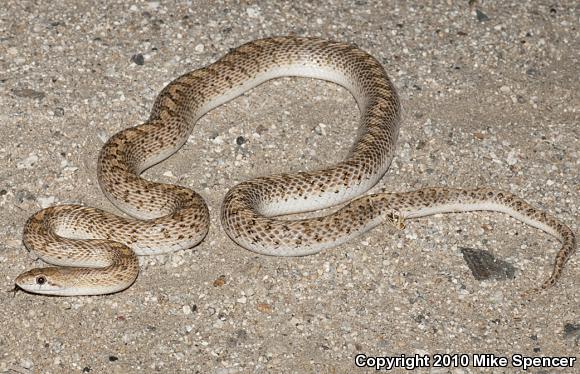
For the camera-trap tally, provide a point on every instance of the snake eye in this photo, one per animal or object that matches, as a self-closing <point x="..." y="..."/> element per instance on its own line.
<point x="40" y="280"/>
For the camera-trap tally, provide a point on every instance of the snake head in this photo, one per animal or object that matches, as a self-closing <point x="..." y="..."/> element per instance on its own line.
<point x="43" y="281"/>
<point x="73" y="281"/>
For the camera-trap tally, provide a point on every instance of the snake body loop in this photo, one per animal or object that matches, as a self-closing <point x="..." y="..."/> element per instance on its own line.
<point x="98" y="249"/>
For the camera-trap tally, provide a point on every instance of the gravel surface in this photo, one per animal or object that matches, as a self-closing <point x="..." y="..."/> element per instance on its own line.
<point x="490" y="96"/>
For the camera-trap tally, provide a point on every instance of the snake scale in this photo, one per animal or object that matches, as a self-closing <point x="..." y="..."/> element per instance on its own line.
<point x="95" y="252"/>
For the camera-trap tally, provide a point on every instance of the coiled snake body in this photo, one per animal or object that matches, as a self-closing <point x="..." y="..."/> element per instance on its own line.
<point x="95" y="251"/>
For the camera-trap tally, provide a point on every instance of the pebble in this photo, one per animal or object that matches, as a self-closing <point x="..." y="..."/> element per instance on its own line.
<point x="28" y="162"/>
<point x="218" y="140"/>
<point x="572" y="331"/>
<point x="264" y="308"/>
<point x="218" y="324"/>
<point x="220" y="281"/>
<point x="138" y="59"/>
<point x="26" y="364"/>
<point x="253" y="11"/>
<point x="58" y="112"/>
<point x="102" y="135"/>
<point x="226" y="370"/>
<point x="45" y="202"/>
<point x="320" y="129"/>
<point x="484" y="265"/>
<point x="481" y="17"/>
<point x="28" y="93"/>
<point x="153" y="5"/>
<point x="240" y="140"/>
<point x="56" y="346"/>
<point x="497" y="298"/>
<point x="512" y="158"/>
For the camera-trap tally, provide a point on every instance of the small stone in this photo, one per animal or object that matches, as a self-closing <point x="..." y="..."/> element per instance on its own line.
<point x="320" y="129"/>
<point x="220" y="281"/>
<point x="481" y="17"/>
<point x="103" y="135"/>
<point x="532" y="72"/>
<point x="218" y="324"/>
<point x="26" y="364"/>
<point x="199" y="48"/>
<point x="56" y="346"/>
<point x="186" y="310"/>
<point x="572" y="331"/>
<point x="58" y="112"/>
<point x="153" y="5"/>
<point x="28" y="93"/>
<point x="512" y="158"/>
<point x="484" y="265"/>
<point x="11" y="243"/>
<point x="24" y="195"/>
<point x="113" y="358"/>
<point x="138" y="59"/>
<point x="264" y="308"/>
<point x="240" y="140"/>
<point x="253" y="11"/>
<point x="261" y="129"/>
<point x="28" y="162"/>
<point x="45" y="202"/>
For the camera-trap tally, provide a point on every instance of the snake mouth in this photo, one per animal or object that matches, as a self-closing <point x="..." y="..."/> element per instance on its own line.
<point x="18" y="288"/>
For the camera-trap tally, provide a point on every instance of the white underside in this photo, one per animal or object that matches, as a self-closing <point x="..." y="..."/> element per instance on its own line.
<point x="297" y="70"/>
<point x="483" y="206"/>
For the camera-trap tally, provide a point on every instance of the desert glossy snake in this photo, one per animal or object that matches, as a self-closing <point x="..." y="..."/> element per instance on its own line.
<point x="95" y="251"/>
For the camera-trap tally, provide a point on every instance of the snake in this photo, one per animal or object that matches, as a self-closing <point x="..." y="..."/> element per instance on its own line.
<point x="95" y="252"/>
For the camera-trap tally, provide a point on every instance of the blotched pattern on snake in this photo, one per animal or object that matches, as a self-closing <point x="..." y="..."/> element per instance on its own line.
<point x="95" y="251"/>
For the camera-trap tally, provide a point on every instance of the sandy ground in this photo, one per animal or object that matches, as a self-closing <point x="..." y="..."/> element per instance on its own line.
<point x="490" y="95"/>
